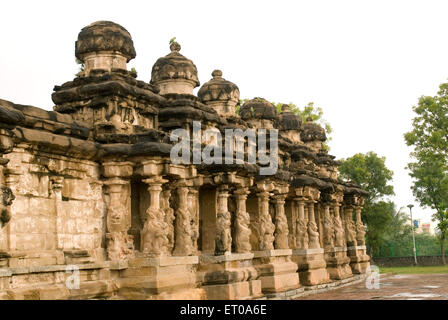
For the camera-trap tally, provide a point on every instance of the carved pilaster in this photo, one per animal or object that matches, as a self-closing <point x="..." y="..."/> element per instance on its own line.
<point x="339" y="234"/>
<point x="266" y="227"/>
<point x="120" y="245"/>
<point x="328" y="227"/>
<point x="155" y="229"/>
<point x="313" y="231"/>
<point x="350" y="228"/>
<point x="223" y="241"/>
<point x="281" y="223"/>
<point x="360" y="231"/>
<point x="242" y="220"/>
<point x="169" y="218"/>
<point x="301" y="225"/>
<point x="184" y="244"/>
<point x="193" y="207"/>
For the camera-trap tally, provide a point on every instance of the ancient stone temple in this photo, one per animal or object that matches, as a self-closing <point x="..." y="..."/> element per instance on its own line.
<point x="91" y="194"/>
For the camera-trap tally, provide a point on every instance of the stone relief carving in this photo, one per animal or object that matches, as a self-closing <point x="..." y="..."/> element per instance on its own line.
<point x="328" y="228"/>
<point x="223" y="242"/>
<point x="338" y="229"/>
<point x="281" y="224"/>
<point x="313" y="234"/>
<point x="169" y="218"/>
<point x="183" y="233"/>
<point x="242" y="221"/>
<point x="267" y="227"/>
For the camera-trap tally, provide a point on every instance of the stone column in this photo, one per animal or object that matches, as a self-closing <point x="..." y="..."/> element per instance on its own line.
<point x="266" y="227"/>
<point x="56" y="188"/>
<point x="120" y="245"/>
<point x="328" y="227"/>
<point x="339" y="235"/>
<point x="350" y="229"/>
<point x="301" y="225"/>
<point x="360" y="231"/>
<point x="184" y="242"/>
<point x="313" y="232"/>
<point x="223" y="241"/>
<point x="281" y="223"/>
<point x="242" y="220"/>
<point x="193" y="207"/>
<point x="169" y="218"/>
<point x="155" y="229"/>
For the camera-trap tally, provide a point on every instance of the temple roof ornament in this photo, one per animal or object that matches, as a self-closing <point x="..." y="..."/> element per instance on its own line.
<point x="104" y="45"/>
<point x="220" y="94"/>
<point x="312" y="131"/>
<point x="258" y="108"/>
<point x="219" y="89"/>
<point x="289" y="120"/>
<point x="175" y="73"/>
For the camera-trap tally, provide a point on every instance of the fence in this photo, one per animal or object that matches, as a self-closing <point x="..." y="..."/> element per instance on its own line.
<point x="425" y="246"/>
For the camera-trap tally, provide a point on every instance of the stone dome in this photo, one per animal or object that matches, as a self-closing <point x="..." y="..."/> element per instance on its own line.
<point x="219" y="89"/>
<point x="175" y="73"/>
<point x="258" y="108"/>
<point x="104" y="36"/>
<point x="289" y="120"/>
<point x="312" y="131"/>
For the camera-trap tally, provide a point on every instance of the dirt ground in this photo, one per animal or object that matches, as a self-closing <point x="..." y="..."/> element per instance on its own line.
<point x="392" y="287"/>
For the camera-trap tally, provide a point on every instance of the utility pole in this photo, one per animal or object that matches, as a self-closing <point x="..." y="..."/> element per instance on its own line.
<point x="410" y="206"/>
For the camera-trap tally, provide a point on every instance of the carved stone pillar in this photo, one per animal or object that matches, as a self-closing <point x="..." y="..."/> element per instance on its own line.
<point x="169" y="218"/>
<point x="339" y="235"/>
<point x="266" y="227"/>
<point x="313" y="231"/>
<point x="120" y="245"/>
<point x="360" y="231"/>
<point x="308" y="253"/>
<point x="350" y="229"/>
<point x="281" y="223"/>
<point x="328" y="227"/>
<point x="242" y="220"/>
<point x="56" y="188"/>
<point x="184" y="242"/>
<point x="193" y="207"/>
<point x="155" y="229"/>
<point x="223" y="241"/>
<point x="301" y="225"/>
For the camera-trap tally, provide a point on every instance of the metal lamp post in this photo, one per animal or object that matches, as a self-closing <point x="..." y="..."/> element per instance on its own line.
<point x="410" y="206"/>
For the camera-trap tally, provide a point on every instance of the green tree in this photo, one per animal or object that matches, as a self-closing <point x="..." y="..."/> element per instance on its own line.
<point x="429" y="170"/>
<point x="399" y="226"/>
<point x="370" y="172"/>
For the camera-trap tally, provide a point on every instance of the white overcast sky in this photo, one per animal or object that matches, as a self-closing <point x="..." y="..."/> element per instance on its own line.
<point x="364" y="62"/>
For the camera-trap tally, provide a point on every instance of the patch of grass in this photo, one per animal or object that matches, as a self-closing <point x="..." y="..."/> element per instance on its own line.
<point x="415" y="269"/>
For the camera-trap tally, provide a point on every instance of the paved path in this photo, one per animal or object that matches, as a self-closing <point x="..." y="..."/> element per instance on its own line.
<point x="392" y="287"/>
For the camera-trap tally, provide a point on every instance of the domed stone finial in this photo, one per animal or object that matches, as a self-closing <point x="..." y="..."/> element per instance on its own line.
<point x="309" y="120"/>
<point x="175" y="47"/>
<point x="220" y="94"/>
<point x="217" y="73"/>
<point x="285" y="108"/>
<point x="104" y="45"/>
<point x="174" y="73"/>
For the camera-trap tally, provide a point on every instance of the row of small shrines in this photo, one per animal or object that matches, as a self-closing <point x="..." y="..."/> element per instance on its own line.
<point x="285" y="232"/>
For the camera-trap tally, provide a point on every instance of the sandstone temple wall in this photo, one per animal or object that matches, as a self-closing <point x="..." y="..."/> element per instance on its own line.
<point x="94" y="207"/>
